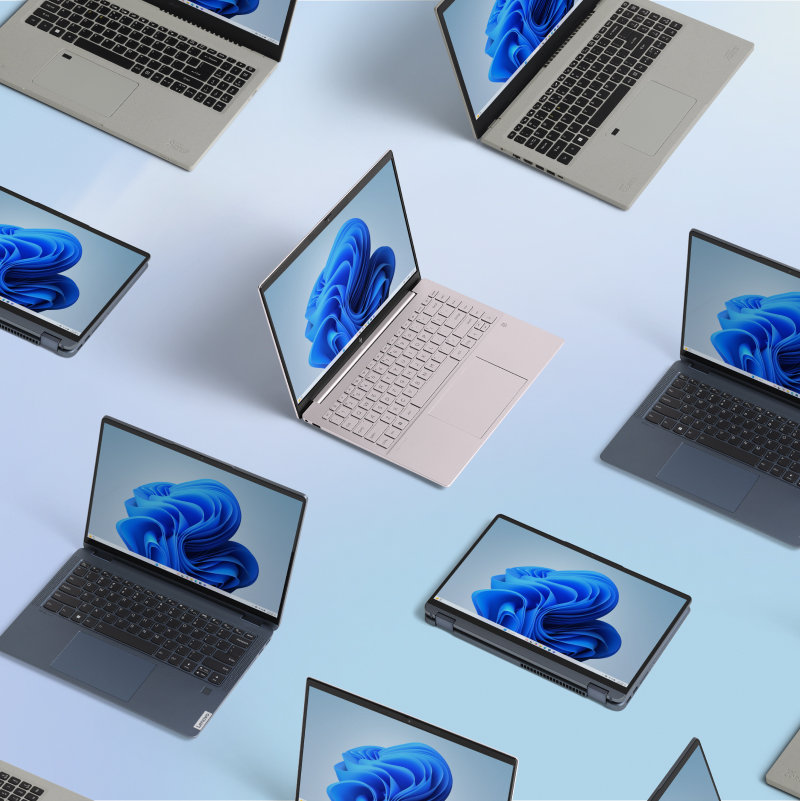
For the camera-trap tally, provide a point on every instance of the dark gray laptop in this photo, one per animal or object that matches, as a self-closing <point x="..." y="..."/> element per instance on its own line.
<point x="722" y="426"/>
<point x="178" y="587"/>
<point x="20" y="785"/>
<point x="59" y="278"/>
<point x="556" y="610"/>
<point x="165" y="75"/>
<point x="689" y="779"/>
<point x="595" y="93"/>
<point x="353" y="749"/>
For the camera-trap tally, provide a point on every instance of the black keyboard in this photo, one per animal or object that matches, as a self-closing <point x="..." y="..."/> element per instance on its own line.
<point x="14" y="789"/>
<point x="135" y="43"/>
<point x="731" y="426"/>
<point x="565" y="117"/>
<point x="152" y="623"/>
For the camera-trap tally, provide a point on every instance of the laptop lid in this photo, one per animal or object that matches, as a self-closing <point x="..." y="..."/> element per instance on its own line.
<point x="259" y="25"/>
<point x="56" y="273"/>
<point x="566" y="604"/>
<point x="353" y="749"/>
<point x="689" y="778"/>
<point x="212" y="528"/>
<point x="337" y="287"/>
<point x="497" y="47"/>
<point x="741" y="315"/>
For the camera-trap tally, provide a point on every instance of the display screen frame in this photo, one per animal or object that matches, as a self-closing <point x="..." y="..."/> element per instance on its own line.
<point x="227" y="600"/>
<point x="675" y="770"/>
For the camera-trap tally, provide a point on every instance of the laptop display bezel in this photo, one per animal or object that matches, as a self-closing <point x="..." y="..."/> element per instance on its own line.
<point x="48" y="325"/>
<point x="688" y="752"/>
<point x="333" y="372"/>
<point x="518" y="82"/>
<point x="428" y="728"/>
<point x="218" y="25"/>
<point x="228" y="601"/>
<point x="494" y="633"/>
<point x="723" y="369"/>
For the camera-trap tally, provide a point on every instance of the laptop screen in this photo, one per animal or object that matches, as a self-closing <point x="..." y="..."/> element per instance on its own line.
<point x="265" y="18"/>
<point x="354" y="749"/>
<point x="55" y="270"/>
<point x="690" y="779"/>
<point x="333" y="286"/>
<point x="743" y="313"/>
<point x="492" y="40"/>
<point x="218" y="528"/>
<point x="575" y="606"/>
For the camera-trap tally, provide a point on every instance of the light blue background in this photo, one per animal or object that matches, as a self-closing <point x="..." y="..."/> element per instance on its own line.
<point x="334" y="725"/>
<point x="641" y="617"/>
<point x="693" y="783"/>
<point x="102" y="269"/>
<point x="378" y="205"/>
<point x="269" y="518"/>
<point x="189" y="356"/>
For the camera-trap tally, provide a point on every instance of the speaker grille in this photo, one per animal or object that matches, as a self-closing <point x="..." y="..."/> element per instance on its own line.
<point x="555" y="681"/>
<point x="19" y="334"/>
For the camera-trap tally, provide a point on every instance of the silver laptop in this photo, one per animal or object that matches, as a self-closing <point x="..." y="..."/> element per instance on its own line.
<point x="59" y="278"/>
<point x="689" y="779"/>
<point x="353" y="749"/>
<point x="20" y="785"/>
<point x="375" y="354"/>
<point x="595" y="93"/>
<point x="165" y="75"/>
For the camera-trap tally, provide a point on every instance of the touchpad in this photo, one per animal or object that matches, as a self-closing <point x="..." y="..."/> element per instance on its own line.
<point x="652" y="116"/>
<point x="83" y="82"/>
<point x="476" y="396"/>
<point x="103" y="665"/>
<point x="707" y="476"/>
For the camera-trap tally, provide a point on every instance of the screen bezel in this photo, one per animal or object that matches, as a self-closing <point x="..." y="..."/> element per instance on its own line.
<point x="332" y="371"/>
<point x="50" y="326"/>
<point x="540" y="652"/>
<point x="125" y="556"/>
<point x="517" y="83"/>
<point x="218" y="25"/>
<point x="688" y="752"/>
<point x="721" y="367"/>
<point x="428" y="728"/>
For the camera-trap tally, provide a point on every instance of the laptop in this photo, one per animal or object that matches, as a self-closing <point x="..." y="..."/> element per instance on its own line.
<point x="377" y="355"/>
<point x="179" y="585"/>
<point x="689" y="778"/>
<point x="722" y="425"/>
<point x="595" y="93"/>
<point x="59" y="278"/>
<point x="784" y="774"/>
<point x="568" y="615"/>
<point x="20" y="785"/>
<point x="353" y="749"/>
<point x="165" y="75"/>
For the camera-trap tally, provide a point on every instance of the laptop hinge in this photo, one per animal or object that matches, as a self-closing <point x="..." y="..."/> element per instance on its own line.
<point x="255" y="620"/>
<point x="49" y="341"/>
<point x="444" y="622"/>
<point x="597" y="693"/>
<point x="100" y="555"/>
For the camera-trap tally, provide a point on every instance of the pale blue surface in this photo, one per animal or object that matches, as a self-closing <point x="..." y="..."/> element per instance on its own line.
<point x="188" y="355"/>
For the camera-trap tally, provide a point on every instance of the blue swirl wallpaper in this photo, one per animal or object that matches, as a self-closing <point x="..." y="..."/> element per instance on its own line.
<point x="349" y="290"/>
<point x="516" y="28"/>
<point x="558" y="608"/>
<point x="32" y="261"/>
<point x="229" y="8"/>
<point x="407" y="772"/>
<point x="761" y="335"/>
<point x="188" y="527"/>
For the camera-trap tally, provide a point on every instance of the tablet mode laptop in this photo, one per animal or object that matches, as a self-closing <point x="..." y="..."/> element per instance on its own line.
<point x="59" y="278"/>
<point x="689" y="779"/>
<point x="20" y="785"/>
<point x="557" y="610"/>
<point x="179" y="585"/>
<point x="354" y="749"/>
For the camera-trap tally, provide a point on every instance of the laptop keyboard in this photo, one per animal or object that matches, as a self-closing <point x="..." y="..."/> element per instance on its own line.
<point x="154" y="624"/>
<point x="566" y="116"/>
<point x="144" y="48"/>
<point x="393" y="387"/>
<point x="731" y="426"/>
<point x="15" y="789"/>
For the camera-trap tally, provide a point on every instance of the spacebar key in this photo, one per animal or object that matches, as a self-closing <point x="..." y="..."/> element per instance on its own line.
<point x="127" y="639"/>
<point x="611" y="103"/>
<point x="728" y="450"/>
<point x="109" y="55"/>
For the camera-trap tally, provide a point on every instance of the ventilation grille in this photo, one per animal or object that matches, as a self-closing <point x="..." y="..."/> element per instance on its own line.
<point x="555" y="681"/>
<point x="19" y="334"/>
<point x="568" y="39"/>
